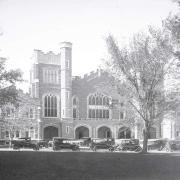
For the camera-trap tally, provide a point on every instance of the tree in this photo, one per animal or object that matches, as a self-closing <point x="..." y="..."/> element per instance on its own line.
<point x="172" y="23"/>
<point x="142" y="66"/>
<point x="22" y="117"/>
<point x="8" y="91"/>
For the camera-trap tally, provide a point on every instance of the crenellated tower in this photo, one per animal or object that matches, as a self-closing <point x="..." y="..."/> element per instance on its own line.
<point x="66" y="80"/>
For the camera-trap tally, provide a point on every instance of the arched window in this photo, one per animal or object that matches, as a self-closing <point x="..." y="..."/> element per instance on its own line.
<point x="97" y="100"/>
<point x="90" y="100"/>
<point x="98" y="106"/>
<point x="93" y="100"/>
<point x="104" y="100"/>
<point x="100" y="101"/>
<point x="50" y="106"/>
<point x="75" y="107"/>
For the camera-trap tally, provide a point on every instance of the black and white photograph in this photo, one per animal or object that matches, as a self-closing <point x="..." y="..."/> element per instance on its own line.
<point x="89" y="89"/>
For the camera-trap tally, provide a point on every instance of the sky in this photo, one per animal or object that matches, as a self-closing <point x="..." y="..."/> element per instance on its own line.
<point x="26" y="25"/>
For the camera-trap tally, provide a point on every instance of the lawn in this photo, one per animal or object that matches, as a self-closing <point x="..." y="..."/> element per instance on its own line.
<point x="88" y="166"/>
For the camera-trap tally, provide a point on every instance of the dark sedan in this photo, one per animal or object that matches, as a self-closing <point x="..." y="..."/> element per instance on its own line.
<point x="98" y="143"/>
<point x="25" y="143"/>
<point x="64" y="143"/>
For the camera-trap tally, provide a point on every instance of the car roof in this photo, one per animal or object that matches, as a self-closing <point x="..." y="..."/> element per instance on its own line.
<point x="63" y="138"/>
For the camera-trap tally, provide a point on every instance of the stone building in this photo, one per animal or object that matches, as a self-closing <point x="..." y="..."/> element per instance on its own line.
<point x="22" y="120"/>
<point x="76" y="107"/>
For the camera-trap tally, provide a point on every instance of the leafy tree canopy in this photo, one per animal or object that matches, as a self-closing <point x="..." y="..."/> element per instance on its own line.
<point x="143" y="65"/>
<point x="8" y="79"/>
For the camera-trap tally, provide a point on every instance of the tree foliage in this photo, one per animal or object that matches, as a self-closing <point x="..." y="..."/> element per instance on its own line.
<point x="142" y="65"/>
<point x="172" y="23"/>
<point x="8" y="79"/>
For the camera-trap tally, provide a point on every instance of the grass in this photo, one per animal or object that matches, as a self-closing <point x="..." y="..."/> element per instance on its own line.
<point x="30" y="165"/>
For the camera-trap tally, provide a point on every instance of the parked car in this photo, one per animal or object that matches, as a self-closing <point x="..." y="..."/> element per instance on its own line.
<point x="4" y="143"/>
<point x="98" y="143"/>
<point x="42" y="143"/>
<point x="157" y="144"/>
<point x="50" y="143"/>
<point x="174" y="145"/>
<point x="64" y="143"/>
<point x="127" y="145"/>
<point x="84" y="143"/>
<point x="25" y="143"/>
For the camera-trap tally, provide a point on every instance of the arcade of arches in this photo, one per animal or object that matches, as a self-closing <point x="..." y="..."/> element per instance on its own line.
<point x="102" y="132"/>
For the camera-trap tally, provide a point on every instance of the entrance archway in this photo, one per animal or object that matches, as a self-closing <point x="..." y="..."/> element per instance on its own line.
<point x="104" y="132"/>
<point x="50" y="132"/>
<point x="124" y="133"/>
<point x="81" y="132"/>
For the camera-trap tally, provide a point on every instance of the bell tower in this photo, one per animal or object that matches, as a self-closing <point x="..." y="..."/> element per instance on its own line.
<point x="66" y="80"/>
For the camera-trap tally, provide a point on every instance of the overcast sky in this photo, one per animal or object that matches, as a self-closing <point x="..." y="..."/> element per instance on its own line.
<point x="26" y="25"/>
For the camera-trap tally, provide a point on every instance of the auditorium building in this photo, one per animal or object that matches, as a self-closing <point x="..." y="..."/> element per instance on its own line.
<point x="76" y="107"/>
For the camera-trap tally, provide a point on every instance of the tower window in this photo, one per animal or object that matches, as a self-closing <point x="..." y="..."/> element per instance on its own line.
<point x="50" y="106"/>
<point x="50" y="76"/>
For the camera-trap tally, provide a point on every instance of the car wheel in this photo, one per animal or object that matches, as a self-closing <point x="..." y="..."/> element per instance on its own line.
<point x="35" y="148"/>
<point x="15" y="147"/>
<point x="124" y="149"/>
<point x="94" y="149"/>
<point x="75" y="149"/>
<point x="139" y="149"/>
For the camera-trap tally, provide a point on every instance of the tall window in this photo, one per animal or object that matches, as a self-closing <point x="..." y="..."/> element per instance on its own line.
<point x="50" y="76"/>
<point x="50" y="106"/>
<point x="98" y="106"/>
<point x="75" y="103"/>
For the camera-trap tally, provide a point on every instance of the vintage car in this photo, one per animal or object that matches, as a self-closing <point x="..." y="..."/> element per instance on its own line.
<point x="42" y="143"/>
<point x="84" y="143"/>
<point x="106" y="143"/>
<point x="173" y="145"/>
<point x="127" y="145"/>
<point x="25" y="143"/>
<point x="50" y="144"/>
<point x="157" y="144"/>
<point x="4" y="143"/>
<point x="64" y="143"/>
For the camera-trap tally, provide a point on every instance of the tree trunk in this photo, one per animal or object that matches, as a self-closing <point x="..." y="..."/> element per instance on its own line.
<point x="145" y="140"/>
